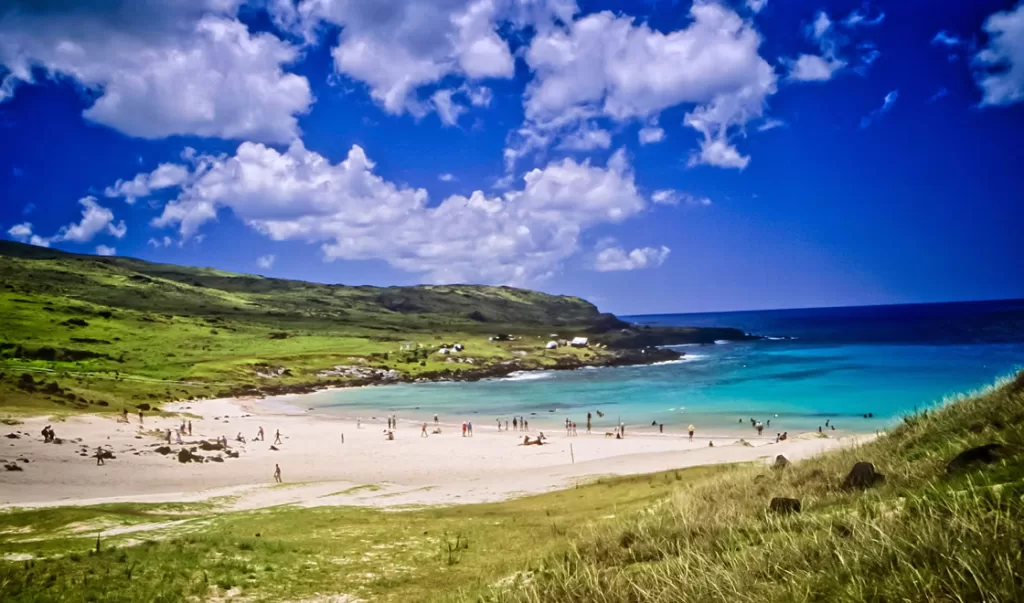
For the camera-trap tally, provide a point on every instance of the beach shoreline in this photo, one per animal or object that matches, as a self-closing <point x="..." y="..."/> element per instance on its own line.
<point x="332" y="461"/>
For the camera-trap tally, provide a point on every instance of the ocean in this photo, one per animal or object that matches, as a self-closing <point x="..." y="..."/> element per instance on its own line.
<point x="813" y="365"/>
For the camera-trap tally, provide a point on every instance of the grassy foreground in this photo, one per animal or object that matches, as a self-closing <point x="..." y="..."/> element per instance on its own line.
<point x="285" y="554"/>
<point x="925" y="535"/>
<point x="699" y="534"/>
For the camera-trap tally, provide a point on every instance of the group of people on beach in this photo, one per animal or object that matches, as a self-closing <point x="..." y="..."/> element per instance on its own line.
<point x="518" y="424"/>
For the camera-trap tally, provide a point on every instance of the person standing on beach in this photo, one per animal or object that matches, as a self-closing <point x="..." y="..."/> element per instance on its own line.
<point x="124" y="414"/>
<point x="140" y="416"/>
<point x="277" y="473"/>
<point x="190" y="428"/>
<point x="588" y="422"/>
<point x="515" y="423"/>
<point x="506" y="424"/>
<point x="469" y="426"/>
<point x="463" y="429"/>
<point x="423" y="432"/>
<point x="169" y="436"/>
<point x="525" y="425"/>
<point x="691" y="430"/>
<point x="259" y="435"/>
<point x="277" y="437"/>
<point x="436" y="421"/>
<point x="661" y="428"/>
<point x="99" y="456"/>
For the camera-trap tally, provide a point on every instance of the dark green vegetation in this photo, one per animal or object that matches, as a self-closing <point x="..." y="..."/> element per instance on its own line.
<point x="98" y="333"/>
<point x="290" y="554"/>
<point x="927" y="533"/>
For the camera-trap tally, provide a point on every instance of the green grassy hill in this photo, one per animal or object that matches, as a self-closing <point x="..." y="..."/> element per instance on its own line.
<point x="84" y="332"/>
<point x="697" y="534"/>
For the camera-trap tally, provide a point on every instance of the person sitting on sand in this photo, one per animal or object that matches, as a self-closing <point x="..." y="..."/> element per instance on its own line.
<point x="277" y="473"/>
<point x="46" y="434"/>
<point x="277" y="437"/>
<point x="240" y="437"/>
<point x="389" y="434"/>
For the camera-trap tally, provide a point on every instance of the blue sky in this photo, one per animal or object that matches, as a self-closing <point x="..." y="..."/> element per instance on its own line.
<point x="649" y="156"/>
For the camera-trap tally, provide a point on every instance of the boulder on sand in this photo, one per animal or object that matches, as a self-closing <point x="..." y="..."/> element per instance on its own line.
<point x="862" y="476"/>
<point x="189" y="456"/>
<point x="163" y="450"/>
<point x="211" y="445"/>
<point x="12" y="467"/>
<point x="983" y="455"/>
<point x="784" y="505"/>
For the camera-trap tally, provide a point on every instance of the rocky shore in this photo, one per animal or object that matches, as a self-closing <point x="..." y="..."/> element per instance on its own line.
<point x="360" y="376"/>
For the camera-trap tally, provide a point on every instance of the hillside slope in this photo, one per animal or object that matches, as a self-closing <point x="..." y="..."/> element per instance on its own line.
<point x="132" y="284"/>
<point x="84" y="332"/>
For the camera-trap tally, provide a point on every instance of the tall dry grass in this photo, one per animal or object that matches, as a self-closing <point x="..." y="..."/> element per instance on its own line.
<point x="924" y="535"/>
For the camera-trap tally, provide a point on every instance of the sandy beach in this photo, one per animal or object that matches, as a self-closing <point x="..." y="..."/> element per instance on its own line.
<point x="319" y="468"/>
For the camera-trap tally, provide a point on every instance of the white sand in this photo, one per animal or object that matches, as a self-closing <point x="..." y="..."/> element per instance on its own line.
<point x="318" y="468"/>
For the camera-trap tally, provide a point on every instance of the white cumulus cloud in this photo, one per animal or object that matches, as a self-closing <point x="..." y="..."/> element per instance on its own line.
<point x="158" y="69"/>
<point x="616" y="68"/>
<point x="651" y="134"/>
<point x="401" y="46"/>
<point x="999" y="66"/>
<point x="616" y="258"/>
<point x="142" y="185"/>
<point x="520" y="236"/>
<point x="104" y="250"/>
<point x="266" y="262"/>
<point x="95" y="219"/>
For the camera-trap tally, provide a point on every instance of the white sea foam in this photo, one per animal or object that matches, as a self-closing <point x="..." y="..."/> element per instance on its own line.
<point x="721" y="341"/>
<point x="527" y="376"/>
<point x="683" y="360"/>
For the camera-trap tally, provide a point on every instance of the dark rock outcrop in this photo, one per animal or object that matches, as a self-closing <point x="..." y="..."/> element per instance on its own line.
<point x="781" y="462"/>
<point x="12" y="467"/>
<point x="211" y="445"/>
<point x="784" y="505"/>
<point x="189" y="456"/>
<point x="980" y="455"/>
<point x="862" y="476"/>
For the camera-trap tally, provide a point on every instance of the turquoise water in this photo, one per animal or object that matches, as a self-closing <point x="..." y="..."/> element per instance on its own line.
<point x="835" y="364"/>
